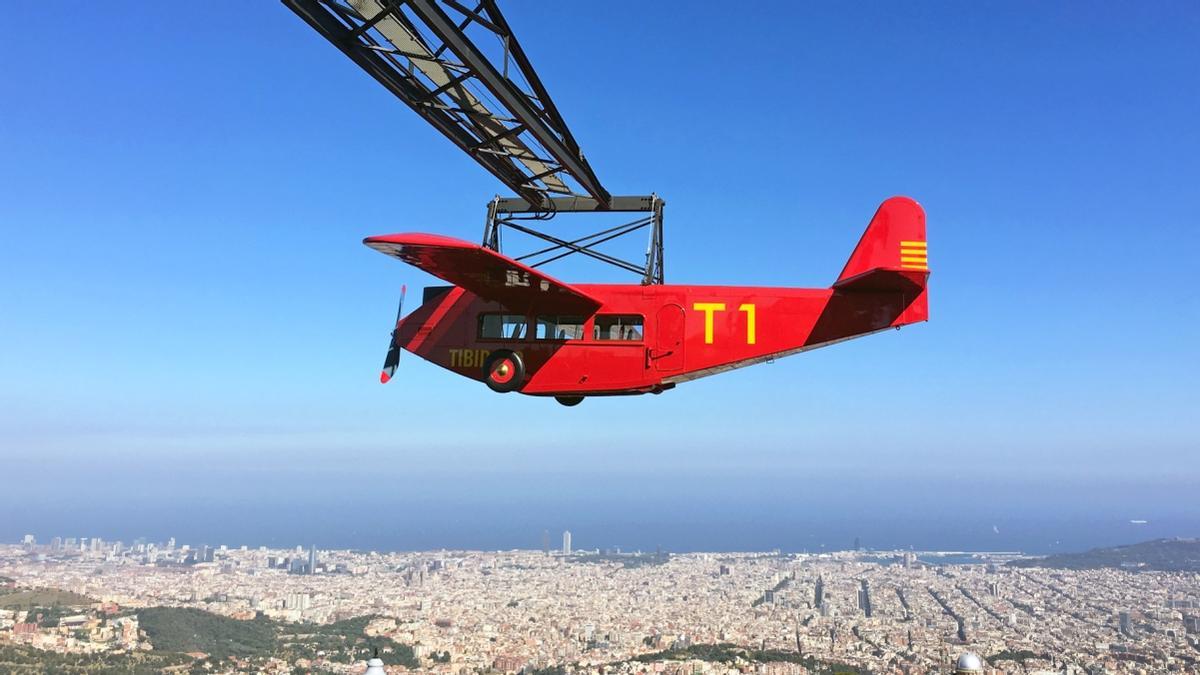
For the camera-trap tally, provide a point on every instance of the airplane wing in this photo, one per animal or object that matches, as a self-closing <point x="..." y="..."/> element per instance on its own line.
<point x="484" y="272"/>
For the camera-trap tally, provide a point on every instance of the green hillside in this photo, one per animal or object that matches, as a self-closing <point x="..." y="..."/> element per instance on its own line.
<point x="23" y="660"/>
<point x="728" y="653"/>
<point x="43" y="597"/>
<point x="178" y="629"/>
<point x="1165" y="555"/>
<point x="183" y="629"/>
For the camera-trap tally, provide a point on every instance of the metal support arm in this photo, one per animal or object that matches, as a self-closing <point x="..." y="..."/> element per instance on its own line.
<point x="464" y="72"/>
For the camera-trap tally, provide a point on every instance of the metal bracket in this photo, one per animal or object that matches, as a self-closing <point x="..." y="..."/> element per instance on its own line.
<point x="516" y="213"/>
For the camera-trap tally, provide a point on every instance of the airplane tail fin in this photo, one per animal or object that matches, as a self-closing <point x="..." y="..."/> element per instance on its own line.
<point x="892" y="254"/>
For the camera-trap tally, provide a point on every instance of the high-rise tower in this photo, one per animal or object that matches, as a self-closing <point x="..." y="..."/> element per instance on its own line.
<point x="566" y="549"/>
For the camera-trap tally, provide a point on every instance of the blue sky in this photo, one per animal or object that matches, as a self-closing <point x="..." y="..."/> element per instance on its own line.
<point x="184" y="296"/>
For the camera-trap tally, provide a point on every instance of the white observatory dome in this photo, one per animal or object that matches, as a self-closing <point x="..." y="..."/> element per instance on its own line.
<point x="969" y="663"/>
<point x="375" y="667"/>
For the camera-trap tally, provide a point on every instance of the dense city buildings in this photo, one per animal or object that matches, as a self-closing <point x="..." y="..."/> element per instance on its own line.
<point x="464" y="612"/>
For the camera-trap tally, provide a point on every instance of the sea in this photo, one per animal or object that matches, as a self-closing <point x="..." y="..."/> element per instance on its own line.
<point x="496" y="511"/>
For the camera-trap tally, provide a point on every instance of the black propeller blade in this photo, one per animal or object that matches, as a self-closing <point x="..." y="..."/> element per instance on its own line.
<point x="393" y="355"/>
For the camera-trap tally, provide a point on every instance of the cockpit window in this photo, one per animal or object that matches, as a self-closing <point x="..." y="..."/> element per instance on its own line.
<point x="501" y="326"/>
<point x="559" y="328"/>
<point x="618" y="327"/>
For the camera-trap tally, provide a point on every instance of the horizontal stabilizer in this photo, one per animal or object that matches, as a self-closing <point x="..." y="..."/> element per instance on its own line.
<point x="881" y="279"/>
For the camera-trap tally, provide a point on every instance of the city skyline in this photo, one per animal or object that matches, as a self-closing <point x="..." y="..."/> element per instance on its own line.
<point x="512" y="612"/>
<point x="1136" y="532"/>
<point x="203" y="552"/>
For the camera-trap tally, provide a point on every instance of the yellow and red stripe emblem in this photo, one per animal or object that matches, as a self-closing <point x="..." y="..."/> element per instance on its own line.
<point x="914" y="255"/>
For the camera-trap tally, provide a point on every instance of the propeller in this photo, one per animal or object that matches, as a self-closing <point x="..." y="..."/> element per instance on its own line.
<point x="393" y="355"/>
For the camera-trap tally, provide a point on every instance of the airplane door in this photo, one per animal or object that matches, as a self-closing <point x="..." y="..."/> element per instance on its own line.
<point x="668" y="338"/>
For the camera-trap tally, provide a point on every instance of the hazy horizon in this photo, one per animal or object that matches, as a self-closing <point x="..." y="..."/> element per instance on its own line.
<point x="677" y="510"/>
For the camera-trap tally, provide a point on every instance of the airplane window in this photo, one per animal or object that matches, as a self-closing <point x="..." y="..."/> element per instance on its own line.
<point x="560" y="327"/>
<point x="501" y="326"/>
<point x="618" y="327"/>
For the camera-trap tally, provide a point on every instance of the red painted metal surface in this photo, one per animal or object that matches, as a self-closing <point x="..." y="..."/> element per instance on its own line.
<point x="658" y="335"/>
<point x="482" y="271"/>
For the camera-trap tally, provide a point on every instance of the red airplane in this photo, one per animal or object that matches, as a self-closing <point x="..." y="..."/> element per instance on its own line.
<point x="517" y="329"/>
<point x="505" y="322"/>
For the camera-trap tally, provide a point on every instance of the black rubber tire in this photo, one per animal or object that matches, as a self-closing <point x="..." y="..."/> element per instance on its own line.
<point x="500" y="379"/>
<point x="569" y="401"/>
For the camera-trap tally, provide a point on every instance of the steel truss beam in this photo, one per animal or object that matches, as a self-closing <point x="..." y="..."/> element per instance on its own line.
<point x="517" y="213"/>
<point x="426" y="54"/>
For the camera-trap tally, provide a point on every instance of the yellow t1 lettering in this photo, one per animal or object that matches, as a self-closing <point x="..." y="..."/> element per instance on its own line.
<point x="708" y="308"/>
<point x="749" y="310"/>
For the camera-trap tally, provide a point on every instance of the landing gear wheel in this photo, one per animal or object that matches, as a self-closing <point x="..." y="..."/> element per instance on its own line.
<point x="504" y="371"/>
<point x="569" y="400"/>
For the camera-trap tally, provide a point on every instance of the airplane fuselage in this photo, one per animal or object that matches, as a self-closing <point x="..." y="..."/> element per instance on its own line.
<point x="645" y="339"/>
